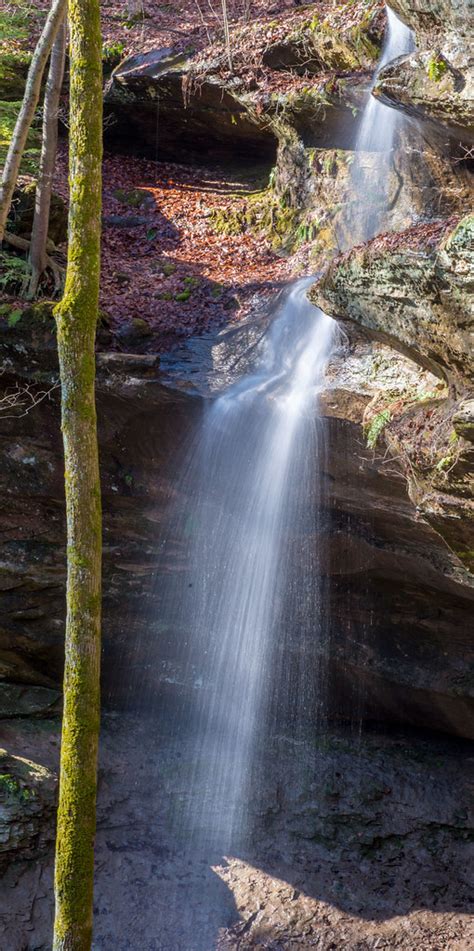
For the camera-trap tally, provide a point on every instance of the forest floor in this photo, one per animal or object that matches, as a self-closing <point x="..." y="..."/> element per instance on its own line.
<point x="319" y="873"/>
<point x="163" y="260"/>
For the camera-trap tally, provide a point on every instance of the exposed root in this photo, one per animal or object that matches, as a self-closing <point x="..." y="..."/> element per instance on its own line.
<point x="23" y="244"/>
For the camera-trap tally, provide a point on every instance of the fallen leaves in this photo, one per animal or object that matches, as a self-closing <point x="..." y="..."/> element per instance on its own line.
<point x="167" y="264"/>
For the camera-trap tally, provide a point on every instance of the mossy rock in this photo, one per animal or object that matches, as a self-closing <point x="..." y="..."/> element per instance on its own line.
<point x="134" y="198"/>
<point x="22" y="212"/>
<point x="27" y="803"/>
<point x="134" y="332"/>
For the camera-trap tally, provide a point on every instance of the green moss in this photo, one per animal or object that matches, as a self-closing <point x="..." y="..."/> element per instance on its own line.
<point x="112" y="53"/>
<point x="436" y="68"/>
<point x="133" y="198"/>
<point x="15" y="26"/>
<point x="376" y="427"/>
<point x="12" y="788"/>
<point x="8" y="115"/>
<point x="168" y="269"/>
<point x="183" y="296"/>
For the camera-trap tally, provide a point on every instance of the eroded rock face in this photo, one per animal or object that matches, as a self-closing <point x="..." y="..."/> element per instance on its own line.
<point x="399" y="604"/>
<point x="414" y="290"/>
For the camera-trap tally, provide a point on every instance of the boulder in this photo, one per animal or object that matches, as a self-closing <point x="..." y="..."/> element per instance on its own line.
<point x="27" y="805"/>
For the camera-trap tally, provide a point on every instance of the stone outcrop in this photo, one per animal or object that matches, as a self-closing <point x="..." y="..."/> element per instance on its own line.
<point x="27" y="805"/>
<point x="414" y="290"/>
<point x="428" y="86"/>
<point x="153" y="114"/>
<point x="183" y="104"/>
<point x="431" y="17"/>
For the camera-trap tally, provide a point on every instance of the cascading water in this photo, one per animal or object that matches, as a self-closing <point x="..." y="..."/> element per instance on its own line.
<point x="247" y="520"/>
<point x="251" y="477"/>
<point x="379" y="123"/>
<point x="378" y="129"/>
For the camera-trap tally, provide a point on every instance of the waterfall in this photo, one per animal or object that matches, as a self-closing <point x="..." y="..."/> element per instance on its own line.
<point x="248" y="606"/>
<point x="252" y="484"/>
<point x="379" y="123"/>
<point x="371" y="170"/>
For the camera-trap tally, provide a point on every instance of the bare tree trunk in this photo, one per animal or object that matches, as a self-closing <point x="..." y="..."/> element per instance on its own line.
<point x="27" y="111"/>
<point x="77" y="316"/>
<point x="225" y="20"/>
<point x="39" y="234"/>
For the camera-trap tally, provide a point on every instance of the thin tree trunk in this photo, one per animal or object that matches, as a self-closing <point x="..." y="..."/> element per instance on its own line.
<point x="27" y="111"/>
<point x="76" y="322"/>
<point x="44" y="185"/>
<point x="225" y="20"/>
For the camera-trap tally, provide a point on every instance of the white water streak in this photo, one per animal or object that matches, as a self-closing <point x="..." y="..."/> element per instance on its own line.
<point x="370" y="179"/>
<point x="251" y="489"/>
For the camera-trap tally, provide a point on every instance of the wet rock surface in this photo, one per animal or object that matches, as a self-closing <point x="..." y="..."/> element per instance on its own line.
<point x="368" y="846"/>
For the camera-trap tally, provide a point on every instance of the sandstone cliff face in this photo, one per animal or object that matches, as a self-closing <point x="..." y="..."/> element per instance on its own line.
<point x="414" y="289"/>
<point x="398" y="601"/>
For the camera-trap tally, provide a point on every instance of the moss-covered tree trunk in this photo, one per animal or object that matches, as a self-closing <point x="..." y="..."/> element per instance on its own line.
<point x="76" y="322"/>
